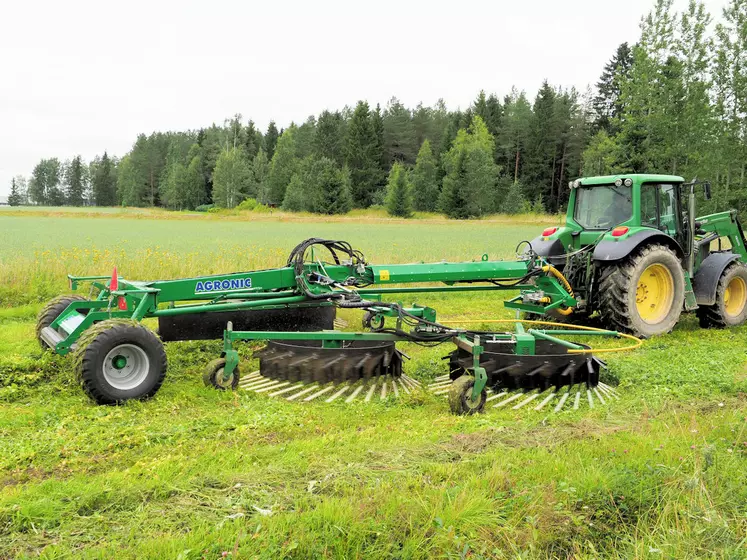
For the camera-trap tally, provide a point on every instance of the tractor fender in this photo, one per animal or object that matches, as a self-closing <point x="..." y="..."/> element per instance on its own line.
<point x="611" y="251"/>
<point x="548" y="248"/>
<point x="705" y="281"/>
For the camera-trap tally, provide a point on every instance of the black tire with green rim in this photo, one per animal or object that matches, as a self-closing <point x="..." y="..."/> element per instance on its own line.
<point x="730" y="309"/>
<point x="213" y="376"/>
<point x="460" y="396"/>
<point x="119" y="361"/>
<point x="50" y="312"/>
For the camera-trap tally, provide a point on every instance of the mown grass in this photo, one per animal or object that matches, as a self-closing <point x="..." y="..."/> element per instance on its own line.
<point x="200" y="474"/>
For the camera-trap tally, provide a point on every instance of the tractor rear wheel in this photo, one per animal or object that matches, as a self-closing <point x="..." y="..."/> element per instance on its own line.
<point x="643" y="294"/>
<point x="50" y="312"/>
<point x="730" y="309"/>
<point x="120" y="360"/>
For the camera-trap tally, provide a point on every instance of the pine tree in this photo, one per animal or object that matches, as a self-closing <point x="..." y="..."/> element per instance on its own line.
<point x="362" y="156"/>
<point x="14" y="199"/>
<point x="399" y="133"/>
<point x="471" y="174"/>
<point x="334" y="191"/>
<point x="608" y="101"/>
<point x="398" y="195"/>
<point x="328" y="139"/>
<point x="103" y="181"/>
<point x="75" y="182"/>
<point x="258" y="183"/>
<point x="295" y="198"/>
<point x="282" y="166"/>
<point x="271" y="140"/>
<point x="230" y="178"/>
<point x="515" y="201"/>
<point x="425" y="190"/>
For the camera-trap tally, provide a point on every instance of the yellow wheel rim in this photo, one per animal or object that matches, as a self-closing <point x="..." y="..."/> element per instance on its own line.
<point x="735" y="296"/>
<point x="655" y="293"/>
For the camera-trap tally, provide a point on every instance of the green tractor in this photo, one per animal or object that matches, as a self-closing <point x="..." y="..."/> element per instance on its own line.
<point x="636" y="256"/>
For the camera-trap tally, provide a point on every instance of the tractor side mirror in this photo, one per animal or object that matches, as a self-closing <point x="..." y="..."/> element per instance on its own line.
<point x="707" y="191"/>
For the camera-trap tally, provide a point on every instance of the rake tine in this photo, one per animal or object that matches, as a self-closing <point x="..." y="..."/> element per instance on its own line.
<point x="258" y="384"/>
<point x="599" y="395"/>
<point x="591" y="400"/>
<point x="383" y="390"/>
<point x="319" y="393"/>
<point x="370" y="393"/>
<point x="508" y="400"/>
<point x="404" y="385"/>
<point x="411" y="380"/>
<point x="338" y="393"/>
<point x="394" y="386"/>
<point x="563" y="398"/>
<point x="441" y="378"/>
<point x="546" y="400"/>
<point x="286" y="390"/>
<point x="577" y="400"/>
<point x="280" y="384"/>
<point x="525" y="401"/>
<point x="496" y="396"/>
<point x="301" y="393"/>
<point x="274" y="384"/>
<point x="434" y="386"/>
<point x="354" y="394"/>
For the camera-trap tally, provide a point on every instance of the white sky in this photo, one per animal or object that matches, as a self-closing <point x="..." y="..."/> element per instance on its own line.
<point x="81" y="77"/>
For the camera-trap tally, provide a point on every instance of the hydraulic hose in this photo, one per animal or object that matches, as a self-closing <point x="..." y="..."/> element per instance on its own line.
<point x="567" y="285"/>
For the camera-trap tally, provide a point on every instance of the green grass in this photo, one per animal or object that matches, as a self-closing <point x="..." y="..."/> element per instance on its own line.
<point x="195" y="473"/>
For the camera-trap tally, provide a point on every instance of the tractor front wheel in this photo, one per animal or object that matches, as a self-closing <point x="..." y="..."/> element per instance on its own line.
<point x="50" y="312"/>
<point x="460" y="396"/>
<point x="643" y="294"/>
<point x="213" y="376"/>
<point x="120" y="360"/>
<point x="730" y="309"/>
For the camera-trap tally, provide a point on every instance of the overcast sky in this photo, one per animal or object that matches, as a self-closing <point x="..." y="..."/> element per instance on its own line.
<point x="81" y="77"/>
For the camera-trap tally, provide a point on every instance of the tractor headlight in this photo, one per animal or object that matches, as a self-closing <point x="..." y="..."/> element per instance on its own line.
<point x="628" y="182"/>
<point x="619" y="183"/>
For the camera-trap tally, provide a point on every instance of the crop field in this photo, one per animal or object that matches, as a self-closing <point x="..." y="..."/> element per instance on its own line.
<point x="196" y="473"/>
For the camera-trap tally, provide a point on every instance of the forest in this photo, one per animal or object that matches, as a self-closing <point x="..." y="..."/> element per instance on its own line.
<point x="674" y="102"/>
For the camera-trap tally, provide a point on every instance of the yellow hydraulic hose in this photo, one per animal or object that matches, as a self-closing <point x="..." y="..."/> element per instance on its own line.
<point x="637" y="342"/>
<point x="567" y="285"/>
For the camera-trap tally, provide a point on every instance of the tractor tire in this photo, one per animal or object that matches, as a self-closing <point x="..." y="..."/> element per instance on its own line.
<point x="730" y="309"/>
<point x="213" y="376"/>
<point x="120" y="360"/>
<point x="643" y="294"/>
<point x="460" y="396"/>
<point x="50" y="312"/>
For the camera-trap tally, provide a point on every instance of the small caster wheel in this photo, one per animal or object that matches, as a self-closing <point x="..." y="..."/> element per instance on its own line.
<point x="460" y="396"/>
<point x="373" y="321"/>
<point x="213" y="376"/>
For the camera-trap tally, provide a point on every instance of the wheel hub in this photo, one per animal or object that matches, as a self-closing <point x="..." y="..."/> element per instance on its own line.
<point x="125" y="367"/>
<point x="654" y="293"/>
<point x="735" y="296"/>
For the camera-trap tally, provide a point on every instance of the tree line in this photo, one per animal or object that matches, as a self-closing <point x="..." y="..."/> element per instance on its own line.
<point x="675" y="102"/>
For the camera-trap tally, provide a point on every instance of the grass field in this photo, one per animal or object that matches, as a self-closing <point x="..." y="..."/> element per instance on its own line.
<point x="199" y="474"/>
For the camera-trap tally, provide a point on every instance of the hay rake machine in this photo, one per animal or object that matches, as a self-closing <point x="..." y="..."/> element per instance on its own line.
<point x="293" y="308"/>
<point x="631" y="254"/>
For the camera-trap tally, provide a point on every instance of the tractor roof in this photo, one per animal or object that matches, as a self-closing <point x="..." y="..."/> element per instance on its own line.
<point x="636" y="177"/>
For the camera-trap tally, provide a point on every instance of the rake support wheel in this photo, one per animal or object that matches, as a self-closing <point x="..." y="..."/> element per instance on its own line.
<point x="213" y="376"/>
<point x="460" y="397"/>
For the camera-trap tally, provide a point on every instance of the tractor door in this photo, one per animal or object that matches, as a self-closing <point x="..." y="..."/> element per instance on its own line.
<point x="661" y="209"/>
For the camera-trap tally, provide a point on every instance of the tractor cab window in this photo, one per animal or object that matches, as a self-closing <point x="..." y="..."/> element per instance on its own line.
<point x="603" y="206"/>
<point x="659" y="208"/>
